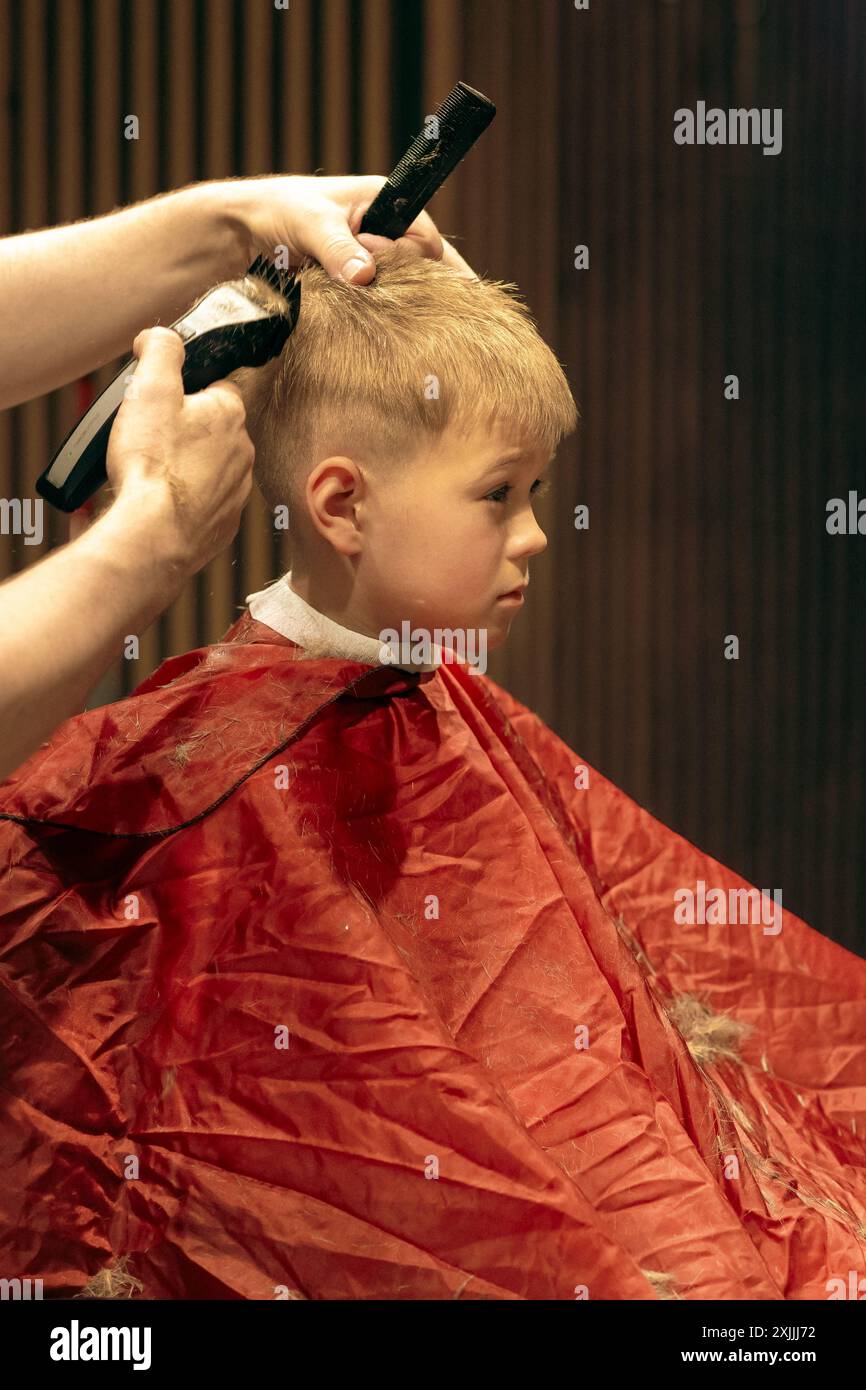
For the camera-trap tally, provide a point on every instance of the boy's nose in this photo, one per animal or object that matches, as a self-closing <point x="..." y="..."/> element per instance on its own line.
<point x="531" y="541"/>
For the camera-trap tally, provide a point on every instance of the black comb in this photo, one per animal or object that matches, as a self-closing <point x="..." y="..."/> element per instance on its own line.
<point x="463" y="116"/>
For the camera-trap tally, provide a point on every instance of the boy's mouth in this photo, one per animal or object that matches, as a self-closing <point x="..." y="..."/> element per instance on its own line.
<point x="513" y="595"/>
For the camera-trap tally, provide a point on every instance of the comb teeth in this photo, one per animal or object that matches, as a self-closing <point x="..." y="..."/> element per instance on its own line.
<point x="279" y="280"/>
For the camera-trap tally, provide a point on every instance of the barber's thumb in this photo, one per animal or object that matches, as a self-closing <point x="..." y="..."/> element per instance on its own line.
<point x="160" y="354"/>
<point x="335" y="248"/>
<point x="356" y="268"/>
<point x="158" y="340"/>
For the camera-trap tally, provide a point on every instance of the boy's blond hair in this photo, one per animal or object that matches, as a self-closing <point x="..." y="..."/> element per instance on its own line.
<point x="376" y="371"/>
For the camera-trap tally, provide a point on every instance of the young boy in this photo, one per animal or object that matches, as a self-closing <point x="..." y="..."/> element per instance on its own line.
<point x="331" y="972"/>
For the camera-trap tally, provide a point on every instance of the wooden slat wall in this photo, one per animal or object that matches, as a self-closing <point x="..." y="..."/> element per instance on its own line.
<point x="33" y="187"/>
<point x="707" y="516"/>
<point x="8" y="483"/>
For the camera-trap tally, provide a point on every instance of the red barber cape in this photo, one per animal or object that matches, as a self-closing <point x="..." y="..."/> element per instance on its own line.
<point x="321" y="980"/>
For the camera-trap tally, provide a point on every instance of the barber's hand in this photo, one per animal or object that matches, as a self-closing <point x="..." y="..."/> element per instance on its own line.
<point x="320" y="216"/>
<point x="185" y="462"/>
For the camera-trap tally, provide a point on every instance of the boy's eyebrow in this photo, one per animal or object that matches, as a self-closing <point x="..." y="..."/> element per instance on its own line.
<point x="505" y="461"/>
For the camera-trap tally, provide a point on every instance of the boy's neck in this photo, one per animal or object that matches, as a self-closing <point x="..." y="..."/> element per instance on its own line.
<point x="281" y="607"/>
<point x="316" y="594"/>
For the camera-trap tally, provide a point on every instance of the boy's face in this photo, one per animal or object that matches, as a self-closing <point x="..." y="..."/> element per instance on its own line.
<point x="442" y="539"/>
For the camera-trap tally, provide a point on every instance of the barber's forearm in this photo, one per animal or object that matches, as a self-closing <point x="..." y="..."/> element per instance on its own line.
<point x="63" y="622"/>
<point x="75" y="297"/>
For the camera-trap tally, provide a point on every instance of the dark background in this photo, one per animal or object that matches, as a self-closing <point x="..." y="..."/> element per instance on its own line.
<point x="707" y="516"/>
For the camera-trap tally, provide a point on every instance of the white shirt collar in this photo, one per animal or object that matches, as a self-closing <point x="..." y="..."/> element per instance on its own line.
<point x="283" y="610"/>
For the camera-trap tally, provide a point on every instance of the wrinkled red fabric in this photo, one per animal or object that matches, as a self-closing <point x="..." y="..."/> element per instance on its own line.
<point x="474" y="965"/>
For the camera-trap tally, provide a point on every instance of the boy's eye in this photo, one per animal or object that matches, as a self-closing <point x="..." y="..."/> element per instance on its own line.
<point x="538" y="489"/>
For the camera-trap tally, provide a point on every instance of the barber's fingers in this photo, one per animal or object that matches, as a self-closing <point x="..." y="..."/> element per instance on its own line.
<point x="219" y="413"/>
<point x="228" y="392"/>
<point x="421" y="237"/>
<point x="220" y="406"/>
<point x="327" y="237"/>
<point x="426" y="235"/>
<point x="453" y="258"/>
<point x="447" y="253"/>
<point x="160" y="353"/>
<point x="326" y="225"/>
<point x="215" y="469"/>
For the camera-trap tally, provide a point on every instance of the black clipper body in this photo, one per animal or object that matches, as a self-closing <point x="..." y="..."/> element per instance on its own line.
<point x="242" y="323"/>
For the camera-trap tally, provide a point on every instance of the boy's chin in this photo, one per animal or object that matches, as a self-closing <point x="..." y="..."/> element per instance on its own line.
<point x="498" y="634"/>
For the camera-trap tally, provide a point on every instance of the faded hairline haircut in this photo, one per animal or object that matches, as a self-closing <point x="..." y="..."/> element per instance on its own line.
<point x="377" y="371"/>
